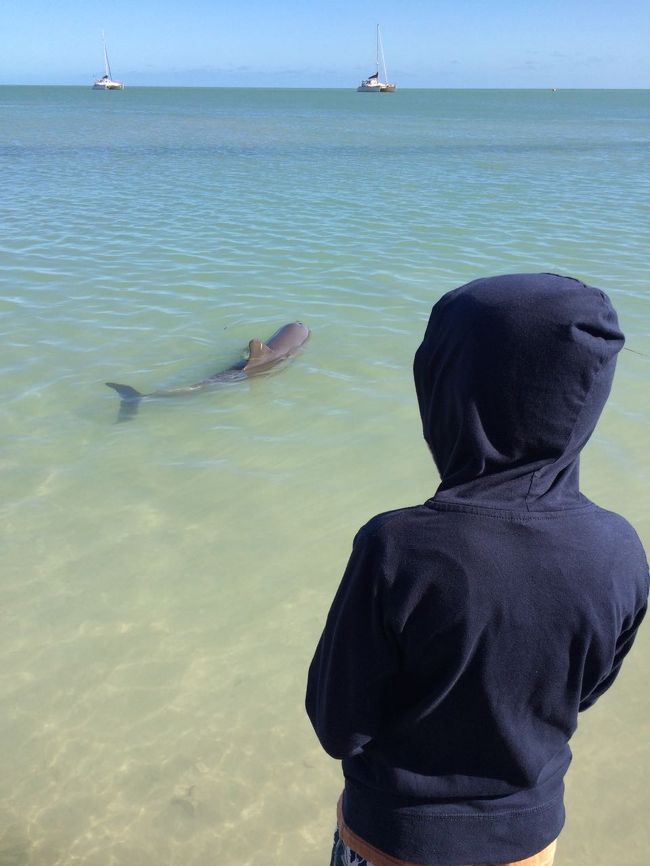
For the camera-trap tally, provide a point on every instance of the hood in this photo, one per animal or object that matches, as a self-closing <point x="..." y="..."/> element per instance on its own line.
<point x="511" y="377"/>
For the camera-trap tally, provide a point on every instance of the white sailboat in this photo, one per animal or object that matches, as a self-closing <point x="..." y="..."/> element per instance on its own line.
<point x="107" y="82"/>
<point x="374" y="84"/>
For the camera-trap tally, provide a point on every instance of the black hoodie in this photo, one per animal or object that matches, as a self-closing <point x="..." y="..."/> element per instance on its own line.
<point x="468" y="632"/>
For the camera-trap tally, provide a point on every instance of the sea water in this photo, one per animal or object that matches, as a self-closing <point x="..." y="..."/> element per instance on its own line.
<point x="164" y="581"/>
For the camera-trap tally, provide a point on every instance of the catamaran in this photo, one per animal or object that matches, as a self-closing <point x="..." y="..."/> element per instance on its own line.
<point x="373" y="84"/>
<point x="106" y="82"/>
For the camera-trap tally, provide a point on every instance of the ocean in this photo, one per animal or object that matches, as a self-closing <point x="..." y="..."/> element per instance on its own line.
<point x="165" y="580"/>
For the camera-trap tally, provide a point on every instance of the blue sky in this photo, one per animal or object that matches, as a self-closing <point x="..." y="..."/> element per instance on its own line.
<point x="446" y="43"/>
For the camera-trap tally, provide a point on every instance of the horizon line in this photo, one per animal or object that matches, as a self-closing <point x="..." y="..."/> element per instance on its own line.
<point x="314" y="87"/>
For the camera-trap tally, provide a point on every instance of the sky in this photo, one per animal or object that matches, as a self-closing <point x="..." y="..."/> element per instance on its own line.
<point x="289" y="43"/>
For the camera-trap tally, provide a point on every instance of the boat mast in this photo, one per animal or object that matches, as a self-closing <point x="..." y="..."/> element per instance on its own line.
<point x="377" y="51"/>
<point x="380" y="51"/>
<point x="107" y="66"/>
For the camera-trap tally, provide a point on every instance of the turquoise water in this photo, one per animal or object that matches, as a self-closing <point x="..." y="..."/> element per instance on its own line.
<point x="164" y="581"/>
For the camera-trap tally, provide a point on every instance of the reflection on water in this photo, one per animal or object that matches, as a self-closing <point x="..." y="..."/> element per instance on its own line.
<point x="165" y="581"/>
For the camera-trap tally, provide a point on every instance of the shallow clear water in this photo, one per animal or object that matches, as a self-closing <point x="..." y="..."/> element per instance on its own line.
<point x="164" y="581"/>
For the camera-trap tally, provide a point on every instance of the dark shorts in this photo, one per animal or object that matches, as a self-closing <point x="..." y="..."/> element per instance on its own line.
<point x="344" y="856"/>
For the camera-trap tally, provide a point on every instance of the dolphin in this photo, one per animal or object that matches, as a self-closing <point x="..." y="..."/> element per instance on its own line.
<point x="261" y="358"/>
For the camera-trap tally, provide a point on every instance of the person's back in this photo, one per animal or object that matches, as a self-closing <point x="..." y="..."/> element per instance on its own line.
<point x="468" y="632"/>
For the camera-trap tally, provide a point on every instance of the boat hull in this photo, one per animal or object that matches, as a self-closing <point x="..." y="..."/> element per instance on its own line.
<point x="376" y="88"/>
<point x="108" y="85"/>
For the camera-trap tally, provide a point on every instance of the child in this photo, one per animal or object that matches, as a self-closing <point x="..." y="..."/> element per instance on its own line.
<point x="469" y="632"/>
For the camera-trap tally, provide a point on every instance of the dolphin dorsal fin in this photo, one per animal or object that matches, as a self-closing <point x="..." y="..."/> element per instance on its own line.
<point x="258" y="353"/>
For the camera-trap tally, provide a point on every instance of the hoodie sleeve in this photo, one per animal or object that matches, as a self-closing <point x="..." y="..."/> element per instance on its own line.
<point x="356" y="660"/>
<point x="623" y="646"/>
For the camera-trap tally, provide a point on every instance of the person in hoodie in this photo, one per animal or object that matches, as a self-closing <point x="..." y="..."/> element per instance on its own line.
<point x="468" y="632"/>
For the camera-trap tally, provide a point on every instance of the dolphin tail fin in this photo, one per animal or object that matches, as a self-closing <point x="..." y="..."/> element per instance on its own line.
<point x="126" y="392"/>
<point x="130" y="400"/>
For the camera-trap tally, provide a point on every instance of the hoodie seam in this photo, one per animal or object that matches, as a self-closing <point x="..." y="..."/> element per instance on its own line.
<point x="532" y="481"/>
<point x="413" y="817"/>
<point x="503" y="514"/>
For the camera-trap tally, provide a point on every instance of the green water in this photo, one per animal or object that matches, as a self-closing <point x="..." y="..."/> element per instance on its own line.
<point x="164" y="581"/>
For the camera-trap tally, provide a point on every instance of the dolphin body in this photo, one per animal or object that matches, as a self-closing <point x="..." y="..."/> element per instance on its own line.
<point x="261" y="358"/>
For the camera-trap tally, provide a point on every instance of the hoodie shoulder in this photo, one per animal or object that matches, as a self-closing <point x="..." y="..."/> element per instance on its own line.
<point x="616" y="529"/>
<point x="390" y="521"/>
<point x="390" y="529"/>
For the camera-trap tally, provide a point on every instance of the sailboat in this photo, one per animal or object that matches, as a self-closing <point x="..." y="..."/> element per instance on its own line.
<point x="106" y="82"/>
<point x="374" y="84"/>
